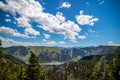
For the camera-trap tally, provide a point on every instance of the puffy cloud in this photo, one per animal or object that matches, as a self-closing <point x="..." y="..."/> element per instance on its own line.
<point x="44" y="40"/>
<point x="31" y="31"/>
<point x="52" y="24"/>
<point x="12" y="32"/>
<point x="27" y="9"/>
<point x="61" y="42"/>
<point x="111" y="43"/>
<point x="32" y="11"/>
<point x="8" y="20"/>
<point x="86" y="19"/>
<point x="47" y="36"/>
<point x="23" y="7"/>
<point x="48" y="43"/>
<point x="60" y="17"/>
<point x="51" y="43"/>
<point x="65" y="5"/>
<point x="70" y="30"/>
<point x="82" y="37"/>
<point x="10" y="42"/>
<point x="23" y="22"/>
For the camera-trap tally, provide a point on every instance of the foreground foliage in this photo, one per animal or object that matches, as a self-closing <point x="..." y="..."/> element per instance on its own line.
<point x="115" y="67"/>
<point x="13" y="69"/>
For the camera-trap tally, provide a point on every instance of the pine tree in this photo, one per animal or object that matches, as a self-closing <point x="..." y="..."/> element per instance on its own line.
<point x="1" y="52"/>
<point x="0" y="44"/>
<point x="33" y="70"/>
<point x="115" y="67"/>
<point x="21" y="75"/>
<point x="100" y="70"/>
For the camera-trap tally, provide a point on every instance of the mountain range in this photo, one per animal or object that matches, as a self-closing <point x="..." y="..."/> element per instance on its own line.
<point x="56" y="55"/>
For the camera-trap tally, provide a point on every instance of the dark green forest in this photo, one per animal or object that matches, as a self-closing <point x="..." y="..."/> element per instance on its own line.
<point x="91" y="67"/>
<point x="14" y="69"/>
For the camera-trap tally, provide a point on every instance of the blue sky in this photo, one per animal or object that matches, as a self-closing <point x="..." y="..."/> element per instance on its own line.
<point x="65" y="23"/>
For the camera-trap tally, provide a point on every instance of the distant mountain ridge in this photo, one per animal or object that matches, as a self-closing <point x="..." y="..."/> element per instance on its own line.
<point x="57" y="54"/>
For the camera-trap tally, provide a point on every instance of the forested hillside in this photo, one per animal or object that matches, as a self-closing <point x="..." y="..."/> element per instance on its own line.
<point x="93" y="67"/>
<point x="14" y="69"/>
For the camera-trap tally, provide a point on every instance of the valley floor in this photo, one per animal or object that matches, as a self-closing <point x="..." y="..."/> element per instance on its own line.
<point x="52" y="63"/>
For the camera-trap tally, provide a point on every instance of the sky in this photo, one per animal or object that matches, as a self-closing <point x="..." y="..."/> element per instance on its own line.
<point x="67" y="23"/>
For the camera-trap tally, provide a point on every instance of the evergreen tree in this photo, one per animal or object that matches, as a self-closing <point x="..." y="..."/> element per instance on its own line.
<point x="33" y="70"/>
<point x="100" y="70"/>
<point x="1" y="52"/>
<point x="0" y="44"/>
<point x="22" y="75"/>
<point x="115" y="67"/>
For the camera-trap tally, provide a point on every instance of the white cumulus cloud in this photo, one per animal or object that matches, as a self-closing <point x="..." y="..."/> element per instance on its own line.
<point x="26" y="9"/>
<point x="70" y="30"/>
<point x="6" y="42"/>
<point x="58" y="25"/>
<point x="65" y="5"/>
<point x="111" y="43"/>
<point x="12" y="32"/>
<point x="31" y="31"/>
<point x="23" y="7"/>
<point x="23" y="22"/>
<point x="82" y="37"/>
<point x="86" y="19"/>
<point x="49" y="43"/>
<point x="32" y="11"/>
<point x="52" y="43"/>
<point x="61" y="42"/>
<point x="60" y="17"/>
